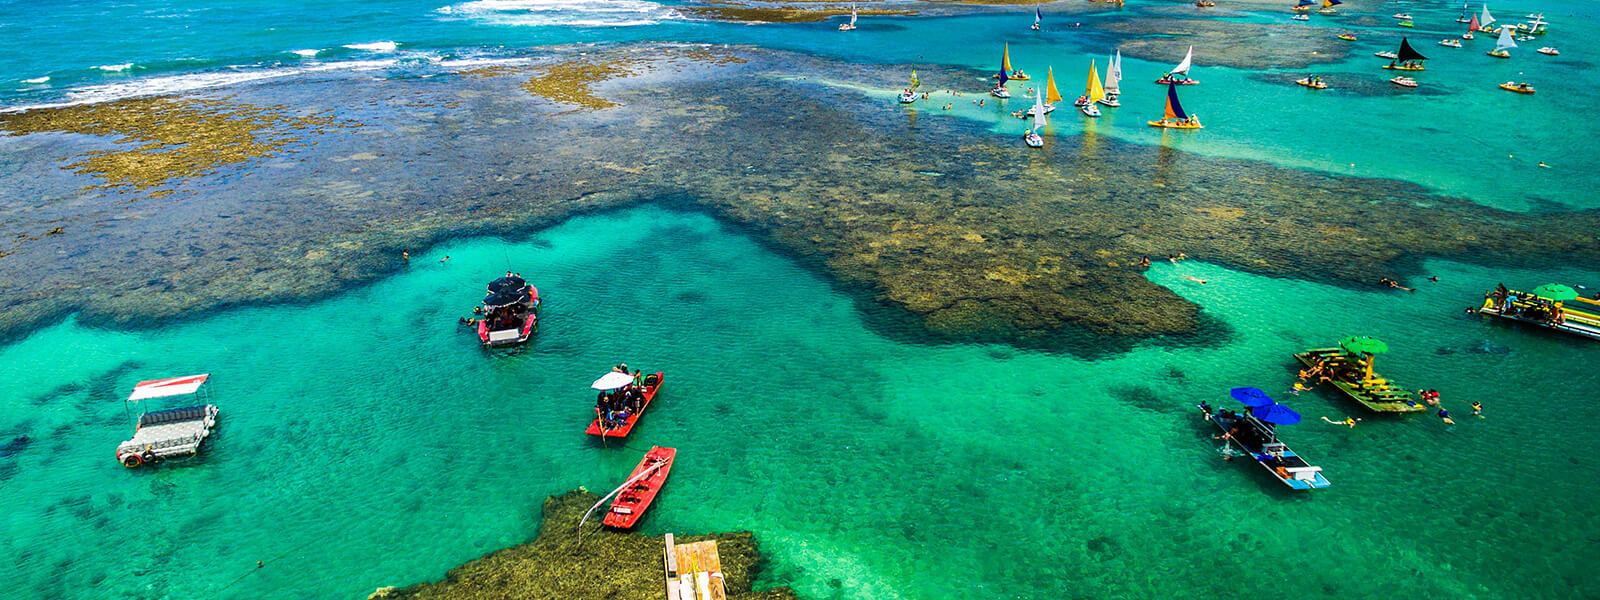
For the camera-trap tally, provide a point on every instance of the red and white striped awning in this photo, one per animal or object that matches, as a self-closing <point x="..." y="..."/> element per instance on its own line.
<point x="161" y="388"/>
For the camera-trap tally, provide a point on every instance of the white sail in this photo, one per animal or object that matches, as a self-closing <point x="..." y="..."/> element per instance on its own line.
<point x="852" y="14"/>
<point x="1505" y="39"/>
<point x="1111" y="77"/>
<point x="1485" y="20"/>
<point x="1118" y="67"/>
<point x="1038" y="113"/>
<point x="1183" y="67"/>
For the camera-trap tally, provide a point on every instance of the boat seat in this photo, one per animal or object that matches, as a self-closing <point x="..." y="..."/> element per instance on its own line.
<point x="1305" y="473"/>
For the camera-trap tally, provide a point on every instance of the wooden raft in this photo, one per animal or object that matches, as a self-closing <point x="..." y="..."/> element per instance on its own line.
<point x="694" y="571"/>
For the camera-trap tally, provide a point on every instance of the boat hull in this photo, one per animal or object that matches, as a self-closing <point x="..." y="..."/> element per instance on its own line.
<point x="1165" y="124"/>
<point x="631" y="504"/>
<point x="622" y="430"/>
<point x="1377" y="395"/>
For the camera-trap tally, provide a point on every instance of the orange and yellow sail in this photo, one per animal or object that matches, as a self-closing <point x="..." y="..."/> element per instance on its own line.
<point x="1051" y="95"/>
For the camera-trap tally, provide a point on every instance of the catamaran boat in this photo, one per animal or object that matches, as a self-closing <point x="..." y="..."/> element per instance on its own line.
<point x="510" y="312"/>
<point x="1502" y="45"/>
<point x="170" y="433"/>
<point x="1032" y="138"/>
<point x="1404" y="81"/>
<point x="1402" y="16"/>
<point x="1550" y="50"/>
<point x="1254" y="432"/>
<point x="1453" y="43"/>
<point x="1113" y="81"/>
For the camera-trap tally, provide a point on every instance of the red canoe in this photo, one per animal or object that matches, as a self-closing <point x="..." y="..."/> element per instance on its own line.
<point x="652" y="383"/>
<point x="631" y="503"/>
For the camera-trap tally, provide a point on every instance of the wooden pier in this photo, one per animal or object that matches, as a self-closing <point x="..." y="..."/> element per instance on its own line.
<point x="693" y="570"/>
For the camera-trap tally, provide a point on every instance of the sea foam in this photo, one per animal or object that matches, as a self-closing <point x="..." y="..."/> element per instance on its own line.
<point x="569" y="13"/>
<point x="37" y="79"/>
<point x="115" y="68"/>
<point x="384" y="46"/>
<point x="306" y="53"/>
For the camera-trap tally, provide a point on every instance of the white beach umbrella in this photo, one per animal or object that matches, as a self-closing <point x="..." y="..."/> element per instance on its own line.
<point x="612" y="380"/>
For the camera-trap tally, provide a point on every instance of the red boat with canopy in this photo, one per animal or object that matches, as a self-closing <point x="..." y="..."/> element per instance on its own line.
<point x="623" y="399"/>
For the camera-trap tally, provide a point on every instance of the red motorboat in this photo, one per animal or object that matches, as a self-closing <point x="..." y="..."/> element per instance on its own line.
<point x="635" y="498"/>
<point x="619" y="423"/>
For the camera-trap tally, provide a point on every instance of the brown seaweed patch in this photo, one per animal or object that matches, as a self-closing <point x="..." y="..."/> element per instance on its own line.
<point x="1230" y="44"/>
<point x="170" y="138"/>
<point x="570" y="81"/>
<point x="607" y="564"/>
<point x="778" y="14"/>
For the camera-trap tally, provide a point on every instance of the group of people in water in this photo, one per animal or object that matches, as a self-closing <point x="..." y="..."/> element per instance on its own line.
<point x="615" y="407"/>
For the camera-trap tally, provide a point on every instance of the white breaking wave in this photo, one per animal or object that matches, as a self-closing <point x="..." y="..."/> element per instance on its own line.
<point x="115" y="68"/>
<point x="37" y="79"/>
<point x="306" y="53"/>
<point x="173" y="84"/>
<point x="374" y="46"/>
<point x="570" y="13"/>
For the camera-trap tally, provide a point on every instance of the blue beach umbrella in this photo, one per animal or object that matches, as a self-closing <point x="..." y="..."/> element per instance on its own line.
<point x="1251" y="397"/>
<point x="1277" y="414"/>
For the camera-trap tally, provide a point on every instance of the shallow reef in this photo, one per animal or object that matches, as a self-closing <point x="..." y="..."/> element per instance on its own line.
<point x="604" y="564"/>
<point x="1229" y="44"/>
<point x="779" y="13"/>
<point x="934" y="217"/>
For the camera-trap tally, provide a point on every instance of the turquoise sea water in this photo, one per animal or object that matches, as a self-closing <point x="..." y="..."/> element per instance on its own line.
<point x="365" y="441"/>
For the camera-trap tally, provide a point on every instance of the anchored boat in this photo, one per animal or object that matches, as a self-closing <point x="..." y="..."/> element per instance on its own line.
<point x="1546" y="306"/>
<point x="623" y="399"/>
<point x="1092" y="93"/>
<point x="641" y="488"/>
<point x="910" y="95"/>
<point x="510" y="312"/>
<point x="1349" y="368"/>
<point x="1520" y="88"/>
<point x="169" y="433"/>
<point x="1005" y="68"/>
<point x="1038" y="16"/>
<point x="1312" y="81"/>
<point x="1255" y="432"/>
<point x="851" y="26"/>
<point x="1032" y="137"/>
<point x="1503" y="44"/>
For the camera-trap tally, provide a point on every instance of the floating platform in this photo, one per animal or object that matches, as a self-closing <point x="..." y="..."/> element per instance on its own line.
<point x="1573" y="322"/>
<point x="694" y="571"/>
<point x="1377" y="393"/>
<point x="168" y="434"/>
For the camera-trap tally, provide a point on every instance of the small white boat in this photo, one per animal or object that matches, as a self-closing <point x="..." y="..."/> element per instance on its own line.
<point x="1032" y="140"/>
<point x="908" y="96"/>
<point x="1450" y="43"/>
<point x="1301" y="17"/>
<point x="851" y="26"/>
<point x="1110" y="101"/>
<point x="1090" y="110"/>
<point x="1389" y="54"/>
<point x="1402" y="16"/>
<point x="1466" y="36"/>
<point x="1549" y="50"/>
<point x="1536" y="17"/>
<point x="1404" y="81"/>
<point x="1000" y="92"/>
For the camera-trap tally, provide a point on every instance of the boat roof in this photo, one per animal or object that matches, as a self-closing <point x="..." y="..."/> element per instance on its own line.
<point x="173" y="386"/>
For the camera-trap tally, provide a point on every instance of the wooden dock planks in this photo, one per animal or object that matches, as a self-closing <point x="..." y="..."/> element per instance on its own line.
<point x="694" y="571"/>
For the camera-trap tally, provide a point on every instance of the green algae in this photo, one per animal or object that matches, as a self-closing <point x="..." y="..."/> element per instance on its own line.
<point x="604" y="564"/>
<point x="165" y="138"/>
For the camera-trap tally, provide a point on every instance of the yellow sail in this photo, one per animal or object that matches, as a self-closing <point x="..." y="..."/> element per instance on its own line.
<point x="1005" y="63"/>
<point x="1094" y="92"/>
<point x="1050" y="94"/>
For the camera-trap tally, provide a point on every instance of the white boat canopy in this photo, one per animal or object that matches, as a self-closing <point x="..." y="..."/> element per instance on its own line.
<point x="161" y="388"/>
<point x="612" y="380"/>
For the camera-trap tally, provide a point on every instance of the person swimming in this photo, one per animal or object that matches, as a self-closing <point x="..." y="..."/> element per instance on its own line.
<point x="1444" y="415"/>
<point x="1477" y="409"/>
<point x="1348" y="421"/>
<point x="1192" y="278"/>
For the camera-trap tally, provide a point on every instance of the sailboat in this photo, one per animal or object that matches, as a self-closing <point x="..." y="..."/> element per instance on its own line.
<point x="1113" y="77"/>
<point x="910" y="95"/>
<point x="1000" y="90"/>
<point x="851" y="26"/>
<point x="1038" y="15"/>
<point x="1031" y="138"/>
<point x="1485" y="21"/>
<point x="1328" y="7"/>
<point x="1471" y="27"/>
<point x="1304" y="5"/>
<point x="1465" y="10"/>
<point x="1180" y="74"/>
<point x="1175" y="118"/>
<point x="1005" y="67"/>
<point x="1092" y="93"/>
<point x="1407" y="59"/>
<point x="1504" y="43"/>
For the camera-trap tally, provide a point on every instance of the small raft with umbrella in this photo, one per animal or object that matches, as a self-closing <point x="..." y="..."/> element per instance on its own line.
<point x="1349" y="368"/>
<point x="623" y="400"/>
<point x="510" y="312"/>
<point x="1255" y="432"/>
<point x="1546" y="306"/>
